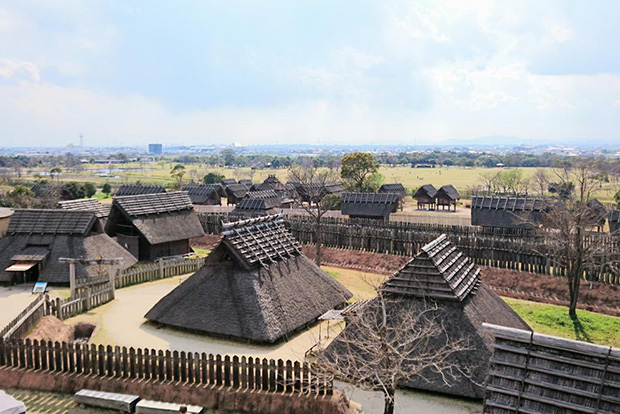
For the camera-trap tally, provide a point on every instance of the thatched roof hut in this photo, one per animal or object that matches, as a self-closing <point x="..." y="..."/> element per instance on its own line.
<point x="542" y="374"/>
<point x="614" y="222"/>
<point x="235" y="193"/>
<point x="138" y="189"/>
<point x="247" y="182"/>
<point x="257" y="203"/>
<point x="507" y="212"/>
<point x="442" y="275"/>
<point x="154" y="225"/>
<point x="447" y="196"/>
<point x="425" y="196"/>
<point x="396" y="188"/>
<point x="597" y="213"/>
<point x="228" y="181"/>
<point x="369" y="205"/>
<point x="36" y="239"/>
<point x="102" y="211"/>
<point x="255" y="285"/>
<point x="272" y="183"/>
<point x="204" y="194"/>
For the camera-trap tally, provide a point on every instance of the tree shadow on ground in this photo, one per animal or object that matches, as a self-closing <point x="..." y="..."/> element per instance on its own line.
<point x="580" y="332"/>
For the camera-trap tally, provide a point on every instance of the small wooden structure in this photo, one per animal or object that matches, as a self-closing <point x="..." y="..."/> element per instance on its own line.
<point x="313" y="192"/>
<point x="255" y="285"/>
<point x="228" y="181"/>
<point x="272" y="183"/>
<point x="507" y="212"/>
<point x="542" y="374"/>
<point x="139" y="189"/>
<point x="235" y="193"/>
<point x="247" y="182"/>
<point x="36" y="239"/>
<point x="395" y="188"/>
<point x="154" y="225"/>
<point x="204" y="194"/>
<point x="597" y="214"/>
<point x="447" y="196"/>
<point x="377" y="206"/>
<point x="425" y="196"/>
<point x="257" y="203"/>
<point x="112" y="264"/>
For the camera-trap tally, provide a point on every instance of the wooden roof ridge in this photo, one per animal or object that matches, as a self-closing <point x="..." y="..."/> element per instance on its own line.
<point x="137" y="189"/>
<point x="262" y="194"/>
<point x="369" y="198"/>
<point x="439" y="271"/>
<point x="260" y="239"/>
<point x="86" y="204"/>
<point x="157" y="203"/>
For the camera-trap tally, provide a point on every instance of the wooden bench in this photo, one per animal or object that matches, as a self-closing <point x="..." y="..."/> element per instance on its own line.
<point x="157" y="407"/>
<point x="120" y="402"/>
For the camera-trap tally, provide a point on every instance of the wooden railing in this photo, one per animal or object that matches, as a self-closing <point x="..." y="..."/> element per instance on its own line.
<point x="242" y="373"/>
<point x="27" y="319"/>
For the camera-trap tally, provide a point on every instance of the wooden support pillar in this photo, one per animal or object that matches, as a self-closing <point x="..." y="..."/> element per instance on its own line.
<point x="112" y="274"/>
<point x="72" y="279"/>
<point x="161" y="269"/>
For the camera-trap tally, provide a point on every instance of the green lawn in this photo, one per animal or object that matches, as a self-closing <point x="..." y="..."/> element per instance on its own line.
<point x="553" y="320"/>
<point x="201" y="252"/>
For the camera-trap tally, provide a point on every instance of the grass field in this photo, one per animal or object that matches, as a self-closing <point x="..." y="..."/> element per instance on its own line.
<point x="554" y="320"/>
<point x="462" y="178"/>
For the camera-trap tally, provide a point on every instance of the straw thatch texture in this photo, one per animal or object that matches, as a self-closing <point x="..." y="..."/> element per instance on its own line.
<point x="102" y="211"/>
<point x="541" y="374"/>
<point x="369" y="205"/>
<point x="43" y="236"/>
<point x="247" y="182"/>
<point x="444" y="278"/>
<point x="204" y="194"/>
<point x="235" y="192"/>
<point x="154" y="225"/>
<point x="507" y="212"/>
<point x="440" y="271"/>
<point x="255" y="285"/>
<point x="396" y="188"/>
<point x="425" y="196"/>
<point x="138" y="189"/>
<point x="258" y="203"/>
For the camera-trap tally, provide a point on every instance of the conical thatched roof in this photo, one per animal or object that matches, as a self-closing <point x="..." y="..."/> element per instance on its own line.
<point x="255" y="285"/>
<point x="441" y="275"/>
<point x="43" y="236"/>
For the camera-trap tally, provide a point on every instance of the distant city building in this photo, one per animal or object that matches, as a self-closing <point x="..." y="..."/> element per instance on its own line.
<point x="155" y="149"/>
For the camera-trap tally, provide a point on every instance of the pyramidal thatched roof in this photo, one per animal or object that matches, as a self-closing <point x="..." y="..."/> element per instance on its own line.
<point x="441" y="275"/>
<point x="255" y="285"/>
<point x="440" y="271"/>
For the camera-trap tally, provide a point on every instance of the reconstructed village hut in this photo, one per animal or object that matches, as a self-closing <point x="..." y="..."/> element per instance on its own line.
<point x="396" y="188"/>
<point x="442" y="275"/>
<point x="257" y="203"/>
<point x="37" y="238"/>
<point x="425" y="196"/>
<point x="313" y="192"/>
<point x="228" y="181"/>
<point x="247" y="182"/>
<point x="447" y="196"/>
<point x="102" y="211"/>
<point x="376" y="206"/>
<point x="507" y="212"/>
<point x="235" y="193"/>
<point x="204" y="194"/>
<point x="536" y="373"/>
<point x="614" y="222"/>
<point x="255" y="285"/>
<point x="154" y="225"/>
<point x="137" y="189"/>
<point x="272" y="183"/>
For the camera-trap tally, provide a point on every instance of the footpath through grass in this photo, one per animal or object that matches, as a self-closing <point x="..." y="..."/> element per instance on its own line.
<point x="553" y="320"/>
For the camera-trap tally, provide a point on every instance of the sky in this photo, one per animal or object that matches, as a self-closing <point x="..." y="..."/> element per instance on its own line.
<point x="308" y="71"/>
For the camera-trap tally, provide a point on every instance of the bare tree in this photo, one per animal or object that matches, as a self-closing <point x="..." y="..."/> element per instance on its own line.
<point x="312" y="182"/>
<point x="490" y="181"/>
<point x="388" y="343"/>
<point x="541" y="180"/>
<point x="569" y="223"/>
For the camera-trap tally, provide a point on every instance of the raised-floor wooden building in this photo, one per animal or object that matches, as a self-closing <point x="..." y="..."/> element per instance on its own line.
<point x="255" y="285"/>
<point x="154" y="225"/>
<point x="425" y="196"/>
<point x="36" y="239"/>
<point x="447" y="196"/>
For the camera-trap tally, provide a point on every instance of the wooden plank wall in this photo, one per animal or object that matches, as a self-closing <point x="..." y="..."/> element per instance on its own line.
<point x="242" y="373"/>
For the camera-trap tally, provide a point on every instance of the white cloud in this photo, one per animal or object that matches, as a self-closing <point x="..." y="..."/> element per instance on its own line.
<point x="19" y="69"/>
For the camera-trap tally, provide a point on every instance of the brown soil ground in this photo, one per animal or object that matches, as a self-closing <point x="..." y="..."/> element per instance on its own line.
<point x="598" y="297"/>
<point x="50" y="328"/>
<point x="205" y="242"/>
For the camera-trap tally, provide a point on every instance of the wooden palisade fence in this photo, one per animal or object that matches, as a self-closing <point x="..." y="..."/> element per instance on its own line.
<point x="242" y="373"/>
<point x="526" y="252"/>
